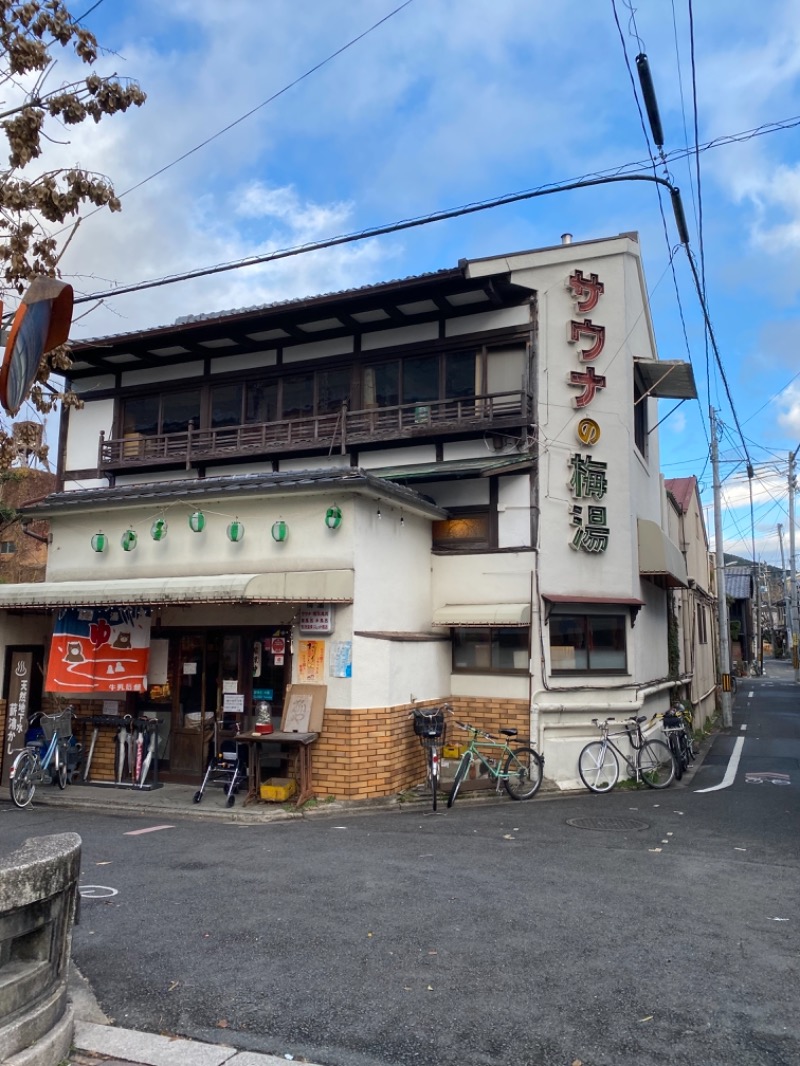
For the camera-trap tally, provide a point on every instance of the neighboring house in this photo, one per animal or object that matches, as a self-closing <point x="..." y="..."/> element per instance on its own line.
<point x="695" y="606"/>
<point x="740" y="593"/>
<point x="440" y="488"/>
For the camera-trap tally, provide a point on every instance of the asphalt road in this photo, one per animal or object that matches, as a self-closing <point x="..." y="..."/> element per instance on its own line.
<point x="666" y="932"/>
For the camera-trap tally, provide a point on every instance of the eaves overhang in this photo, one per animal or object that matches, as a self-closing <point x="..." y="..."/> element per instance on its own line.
<point x="352" y="480"/>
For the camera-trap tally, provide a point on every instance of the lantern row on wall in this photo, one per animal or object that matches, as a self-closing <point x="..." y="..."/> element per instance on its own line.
<point x="197" y="523"/>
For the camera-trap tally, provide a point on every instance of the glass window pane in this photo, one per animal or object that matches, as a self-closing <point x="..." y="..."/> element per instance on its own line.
<point x="141" y="415"/>
<point x="226" y="406"/>
<point x="472" y="648"/>
<point x="298" y="396"/>
<point x="568" y="649"/>
<point x="466" y="531"/>
<point x="510" y="649"/>
<point x="261" y="402"/>
<point x="459" y="378"/>
<point x="421" y="379"/>
<point x="178" y="410"/>
<point x="381" y="385"/>
<point x="333" y="389"/>
<point x="607" y="642"/>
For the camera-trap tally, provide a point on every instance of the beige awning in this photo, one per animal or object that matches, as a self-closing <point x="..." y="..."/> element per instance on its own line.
<point x="301" y="586"/>
<point x="660" y="559"/>
<point x="483" y="614"/>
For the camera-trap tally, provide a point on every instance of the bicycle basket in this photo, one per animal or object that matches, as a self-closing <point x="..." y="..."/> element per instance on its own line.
<point x="428" y="725"/>
<point x="59" y="724"/>
<point x="672" y="721"/>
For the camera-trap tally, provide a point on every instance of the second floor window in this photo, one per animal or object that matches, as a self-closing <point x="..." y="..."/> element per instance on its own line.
<point x="171" y="412"/>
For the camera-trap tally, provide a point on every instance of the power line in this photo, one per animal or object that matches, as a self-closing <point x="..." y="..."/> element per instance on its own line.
<point x="378" y="231"/>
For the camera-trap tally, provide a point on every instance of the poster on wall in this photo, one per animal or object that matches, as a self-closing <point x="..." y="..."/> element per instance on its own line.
<point x="342" y="658"/>
<point x="99" y="649"/>
<point x="311" y="660"/>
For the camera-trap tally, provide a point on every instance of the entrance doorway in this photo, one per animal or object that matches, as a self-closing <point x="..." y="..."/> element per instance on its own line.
<point x="206" y="677"/>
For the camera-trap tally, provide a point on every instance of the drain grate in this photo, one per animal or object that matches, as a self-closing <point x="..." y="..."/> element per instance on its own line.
<point x="608" y="825"/>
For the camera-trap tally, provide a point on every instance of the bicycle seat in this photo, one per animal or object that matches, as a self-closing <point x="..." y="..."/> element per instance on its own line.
<point x="509" y="732"/>
<point x="639" y="719"/>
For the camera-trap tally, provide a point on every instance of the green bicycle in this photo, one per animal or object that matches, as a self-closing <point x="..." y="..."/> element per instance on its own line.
<point x="517" y="769"/>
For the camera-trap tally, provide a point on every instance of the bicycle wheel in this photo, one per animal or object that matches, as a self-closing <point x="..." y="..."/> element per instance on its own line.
<point x="598" y="767"/>
<point x="61" y="766"/>
<point x="687" y="741"/>
<point x="655" y="764"/>
<point x="22" y="778"/>
<point x="677" y="758"/>
<point x="461" y="773"/>
<point x="524" y="769"/>
<point x="433" y="772"/>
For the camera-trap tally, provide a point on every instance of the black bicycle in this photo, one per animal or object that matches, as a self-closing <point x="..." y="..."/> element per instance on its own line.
<point x="678" y="736"/>
<point x="430" y="727"/>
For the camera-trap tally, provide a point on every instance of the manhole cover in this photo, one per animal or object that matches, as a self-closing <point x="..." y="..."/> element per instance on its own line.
<point x="608" y="825"/>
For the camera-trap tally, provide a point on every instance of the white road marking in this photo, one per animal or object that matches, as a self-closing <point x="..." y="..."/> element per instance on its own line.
<point x="151" y="829"/>
<point x="751" y="693"/>
<point x="97" y="891"/>
<point x="730" y="773"/>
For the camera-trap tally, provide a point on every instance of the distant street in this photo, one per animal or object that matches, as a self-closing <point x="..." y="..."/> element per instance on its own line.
<point x="663" y="928"/>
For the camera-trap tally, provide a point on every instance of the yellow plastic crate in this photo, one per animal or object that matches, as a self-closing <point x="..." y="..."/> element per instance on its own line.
<point x="451" y="751"/>
<point x="278" y="789"/>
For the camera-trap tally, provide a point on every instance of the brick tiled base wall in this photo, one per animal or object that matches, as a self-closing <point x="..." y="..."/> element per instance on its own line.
<point x="374" y="752"/>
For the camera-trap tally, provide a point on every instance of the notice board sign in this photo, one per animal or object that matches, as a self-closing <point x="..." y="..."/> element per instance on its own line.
<point x="316" y="619"/>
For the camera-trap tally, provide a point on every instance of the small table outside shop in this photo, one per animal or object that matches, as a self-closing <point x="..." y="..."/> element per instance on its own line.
<point x="302" y="741"/>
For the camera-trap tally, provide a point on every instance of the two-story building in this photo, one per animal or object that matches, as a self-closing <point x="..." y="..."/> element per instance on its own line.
<point x="440" y="488"/>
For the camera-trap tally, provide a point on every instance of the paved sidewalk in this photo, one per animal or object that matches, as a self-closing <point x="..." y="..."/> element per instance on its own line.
<point x="96" y="1044"/>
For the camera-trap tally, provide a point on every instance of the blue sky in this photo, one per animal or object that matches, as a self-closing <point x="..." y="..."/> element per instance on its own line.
<point x="450" y="102"/>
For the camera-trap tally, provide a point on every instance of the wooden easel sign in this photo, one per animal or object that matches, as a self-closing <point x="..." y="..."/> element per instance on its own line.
<point x="304" y="708"/>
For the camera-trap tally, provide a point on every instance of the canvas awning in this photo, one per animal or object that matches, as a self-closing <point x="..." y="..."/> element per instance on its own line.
<point x="660" y="559"/>
<point x="483" y="614"/>
<point x="300" y="586"/>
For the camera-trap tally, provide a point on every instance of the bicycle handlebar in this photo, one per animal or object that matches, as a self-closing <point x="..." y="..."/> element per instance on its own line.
<point x="430" y="712"/>
<point x="474" y="730"/>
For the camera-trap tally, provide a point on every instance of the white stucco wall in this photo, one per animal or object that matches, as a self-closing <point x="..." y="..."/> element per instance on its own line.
<point x="84" y="429"/>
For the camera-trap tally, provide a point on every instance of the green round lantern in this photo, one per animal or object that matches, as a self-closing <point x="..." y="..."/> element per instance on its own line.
<point x="99" y="542"/>
<point x="236" y="531"/>
<point x="158" y="530"/>
<point x="197" y="522"/>
<point x="280" y="531"/>
<point x="129" y="540"/>
<point x="333" y="517"/>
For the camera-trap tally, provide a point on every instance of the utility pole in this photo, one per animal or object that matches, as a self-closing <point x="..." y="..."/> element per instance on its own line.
<point x="787" y="607"/>
<point x="724" y="660"/>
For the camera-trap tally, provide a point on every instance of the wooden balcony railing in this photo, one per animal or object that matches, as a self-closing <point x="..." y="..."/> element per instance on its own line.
<point x="317" y="433"/>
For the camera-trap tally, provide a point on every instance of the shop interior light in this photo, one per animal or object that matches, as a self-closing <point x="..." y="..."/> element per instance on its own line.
<point x="236" y="531"/>
<point x="99" y="542"/>
<point x="158" y="530"/>
<point x="197" y="522"/>
<point x="129" y="540"/>
<point x="280" y="531"/>
<point x="333" y="517"/>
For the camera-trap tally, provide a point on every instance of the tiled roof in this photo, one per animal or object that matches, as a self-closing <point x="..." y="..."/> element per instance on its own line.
<point x="739" y="582"/>
<point x="681" y="489"/>
<point x="234" y="486"/>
